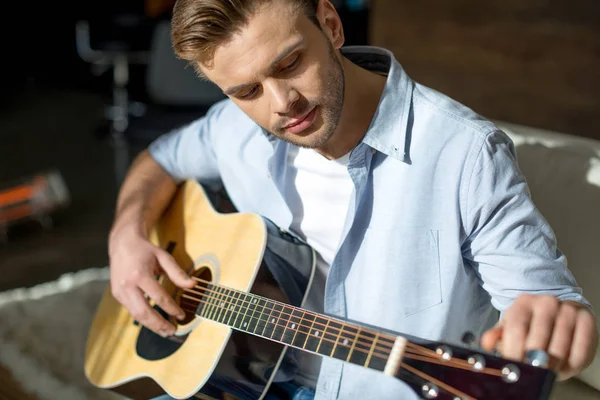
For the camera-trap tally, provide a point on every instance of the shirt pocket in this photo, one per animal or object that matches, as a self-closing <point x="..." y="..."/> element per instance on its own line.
<point x="410" y="257"/>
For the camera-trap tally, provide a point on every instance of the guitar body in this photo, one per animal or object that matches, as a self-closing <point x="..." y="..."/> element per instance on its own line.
<point x="204" y="359"/>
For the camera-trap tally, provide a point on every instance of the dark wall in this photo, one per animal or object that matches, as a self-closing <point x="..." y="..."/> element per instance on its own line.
<point x="39" y="49"/>
<point x="524" y="61"/>
<point x="38" y="41"/>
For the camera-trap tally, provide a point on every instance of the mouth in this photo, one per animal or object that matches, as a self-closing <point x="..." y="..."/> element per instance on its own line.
<point x="300" y="124"/>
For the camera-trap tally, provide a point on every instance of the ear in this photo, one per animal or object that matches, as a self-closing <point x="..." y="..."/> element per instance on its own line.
<point x="331" y="23"/>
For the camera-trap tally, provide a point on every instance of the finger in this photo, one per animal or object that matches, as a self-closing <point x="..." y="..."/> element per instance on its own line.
<point x="562" y="337"/>
<point x="161" y="297"/>
<point x="146" y="315"/>
<point x="174" y="271"/>
<point x="542" y="323"/>
<point x="491" y="338"/>
<point x="516" y="328"/>
<point x="583" y="344"/>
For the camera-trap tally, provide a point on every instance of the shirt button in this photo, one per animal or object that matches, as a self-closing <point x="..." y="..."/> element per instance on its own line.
<point x="373" y="151"/>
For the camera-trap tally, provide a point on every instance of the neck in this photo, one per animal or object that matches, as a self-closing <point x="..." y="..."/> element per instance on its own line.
<point x="362" y="93"/>
<point x="299" y="328"/>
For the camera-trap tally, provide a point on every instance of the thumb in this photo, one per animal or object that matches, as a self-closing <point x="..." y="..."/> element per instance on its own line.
<point x="174" y="271"/>
<point x="492" y="337"/>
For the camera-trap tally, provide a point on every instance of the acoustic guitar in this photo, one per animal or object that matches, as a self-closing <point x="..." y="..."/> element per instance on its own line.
<point x="245" y="322"/>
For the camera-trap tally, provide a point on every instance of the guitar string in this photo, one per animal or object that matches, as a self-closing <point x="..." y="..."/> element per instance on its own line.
<point x="381" y="353"/>
<point x="334" y="330"/>
<point x="414" y="347"/>
<point x="434" y="358"/>
<point x="358" y="342"/>
<point x="408" y="355"/>
<point x="441" y="384"/>
<point x="282" y="312"/>
<point x="384" y="356"/>
<point x="384" y="336"/>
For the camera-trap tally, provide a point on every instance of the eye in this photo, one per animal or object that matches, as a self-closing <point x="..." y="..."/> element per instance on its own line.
<point x="248" y="94"/>
<point x="291" y="64"/>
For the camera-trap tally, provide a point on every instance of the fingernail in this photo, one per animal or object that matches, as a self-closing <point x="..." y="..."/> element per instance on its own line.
<point x="180" y="316"/>
<point x="164" y="333"/>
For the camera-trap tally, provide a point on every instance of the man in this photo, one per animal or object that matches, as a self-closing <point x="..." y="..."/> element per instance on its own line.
<point x="415" y="204"/>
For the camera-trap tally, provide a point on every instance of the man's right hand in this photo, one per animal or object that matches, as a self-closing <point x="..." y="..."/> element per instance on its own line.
<point x="134" y="264"/>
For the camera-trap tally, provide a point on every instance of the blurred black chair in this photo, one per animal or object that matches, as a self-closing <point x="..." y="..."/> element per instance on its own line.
<point x="175" y="95"/>
<point x="115" y="43"/>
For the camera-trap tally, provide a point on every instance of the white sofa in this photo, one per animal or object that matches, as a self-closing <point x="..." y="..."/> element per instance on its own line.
<point x="563" y="172"/>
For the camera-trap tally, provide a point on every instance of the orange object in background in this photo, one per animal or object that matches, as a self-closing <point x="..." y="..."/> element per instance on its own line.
<point x="155" y="8"/>
<point x="30" y="198"/>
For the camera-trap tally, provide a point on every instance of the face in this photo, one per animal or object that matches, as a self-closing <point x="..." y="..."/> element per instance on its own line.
<point x="283" y="72"/>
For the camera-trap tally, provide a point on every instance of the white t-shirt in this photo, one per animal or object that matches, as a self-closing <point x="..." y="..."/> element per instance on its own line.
<point x="318" y="193"/>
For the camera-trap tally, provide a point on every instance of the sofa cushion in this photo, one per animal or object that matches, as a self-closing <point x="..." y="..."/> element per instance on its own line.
<point x="563" y="172"/>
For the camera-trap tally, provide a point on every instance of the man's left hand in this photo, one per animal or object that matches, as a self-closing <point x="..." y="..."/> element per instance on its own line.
<point x="565" y="329"/>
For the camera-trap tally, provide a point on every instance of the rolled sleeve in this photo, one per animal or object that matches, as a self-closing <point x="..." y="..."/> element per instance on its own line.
<point x="510" y="244"/>
<point x="189" y="152"/>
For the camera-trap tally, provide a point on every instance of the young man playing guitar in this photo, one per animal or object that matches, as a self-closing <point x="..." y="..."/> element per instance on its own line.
<point x="415" y="204"/>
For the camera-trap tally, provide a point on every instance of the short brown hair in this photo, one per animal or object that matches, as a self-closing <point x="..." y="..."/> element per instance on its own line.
<point x="199" y="26"/>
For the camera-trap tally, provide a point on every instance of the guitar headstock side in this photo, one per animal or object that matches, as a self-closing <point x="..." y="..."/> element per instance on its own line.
<point x="437" y="370"/>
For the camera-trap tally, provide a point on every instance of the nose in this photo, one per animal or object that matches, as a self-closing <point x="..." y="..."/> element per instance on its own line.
<point x="283" y="97"/>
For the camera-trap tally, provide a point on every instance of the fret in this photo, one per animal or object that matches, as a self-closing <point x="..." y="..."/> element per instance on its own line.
<point x="212" y="302"/>
<point x="245" y="306"/>
<point x="351" y="351"/>
<point x="220" y="304"/>
<point x="290" y="324"/>
<point x="310" y="318"/>
<point x="238" y="307"/>
<point x="329" y="331"/>
<point x="341" y="347"/>
<point x="269" y="307"/>
<point x="375" y="359"/>
<point x="362" y="347"/>
<point x="232" y="305"/>
<point x="294" y="326"/>
<point x="263" y="318"/>
<point x="321" y="339"/>
<point x="297" y="319"/>
<point x="201" y="300"/>
<point x="229" y="307"/>
<point x="252" y="319"/>
<point x="204" y="305"/>
<point x="316" y="334"/>
<point x="378" y="361"/>
<point x="277" y="330"/>
<point x="305" y="323"/>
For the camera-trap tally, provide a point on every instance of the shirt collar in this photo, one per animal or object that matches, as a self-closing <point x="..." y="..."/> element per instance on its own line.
<point x="387" y="132"/>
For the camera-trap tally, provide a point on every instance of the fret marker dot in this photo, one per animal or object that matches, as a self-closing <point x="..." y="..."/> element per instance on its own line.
<point x="345" y="341"/>
<point x="254" y="301"/>
<point x="245" y="323"/>
<point x="222" y="304"/>
<point x="232" y="307"/>
<point x="293" y="326"/>
<point x="316" y="333"/>
<point x="273" y="320"/>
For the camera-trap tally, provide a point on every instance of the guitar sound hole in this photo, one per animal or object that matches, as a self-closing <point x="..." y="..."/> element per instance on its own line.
<point x="191" y="303"/>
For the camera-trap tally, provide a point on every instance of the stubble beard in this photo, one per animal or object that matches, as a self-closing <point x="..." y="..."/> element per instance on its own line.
<point x="331" y="105"/>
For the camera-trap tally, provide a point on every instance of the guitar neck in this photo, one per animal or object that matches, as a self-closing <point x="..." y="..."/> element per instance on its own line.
<point x="302" y="329"/>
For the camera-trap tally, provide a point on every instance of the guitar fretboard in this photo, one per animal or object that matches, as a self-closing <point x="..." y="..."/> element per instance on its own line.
<point x="296" y="327"/>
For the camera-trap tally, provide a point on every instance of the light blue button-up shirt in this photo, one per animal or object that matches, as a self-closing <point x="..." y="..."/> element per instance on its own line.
<point x="441" y="232"/>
